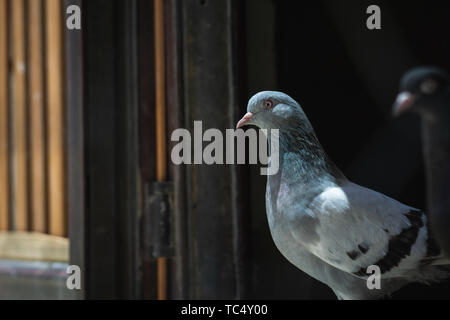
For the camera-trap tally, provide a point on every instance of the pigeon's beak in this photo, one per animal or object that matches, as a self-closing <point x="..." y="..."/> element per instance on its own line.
<point x="245" y="119"/>
<point x="403" y="102"/>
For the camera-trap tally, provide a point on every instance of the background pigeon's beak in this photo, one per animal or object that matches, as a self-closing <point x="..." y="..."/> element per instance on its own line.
<point x="245" y="119"/>
<point x="403" y="102"/>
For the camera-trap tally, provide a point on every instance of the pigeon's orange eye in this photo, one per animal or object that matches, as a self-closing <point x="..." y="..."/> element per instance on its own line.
<point x="268" y="104"/>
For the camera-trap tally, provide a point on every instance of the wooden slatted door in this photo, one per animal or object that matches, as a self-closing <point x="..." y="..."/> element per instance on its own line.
<point x="32" y="148"/>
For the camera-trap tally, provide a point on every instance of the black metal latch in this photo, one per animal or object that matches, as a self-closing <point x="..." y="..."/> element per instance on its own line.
<point x="158" y="219"/>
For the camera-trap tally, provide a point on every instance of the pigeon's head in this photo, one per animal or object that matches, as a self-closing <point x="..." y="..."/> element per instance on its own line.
<point x="273" y="110"/>
<point x="423" y="90"/>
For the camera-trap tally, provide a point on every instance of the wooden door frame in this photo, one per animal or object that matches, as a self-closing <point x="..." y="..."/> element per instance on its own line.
<point x="103" y="167"/>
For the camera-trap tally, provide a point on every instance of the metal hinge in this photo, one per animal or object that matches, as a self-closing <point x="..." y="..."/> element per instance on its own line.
<point x="159" y="219"/>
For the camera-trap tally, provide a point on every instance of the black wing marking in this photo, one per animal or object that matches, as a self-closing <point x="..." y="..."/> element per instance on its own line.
<point x="399" y="246"/>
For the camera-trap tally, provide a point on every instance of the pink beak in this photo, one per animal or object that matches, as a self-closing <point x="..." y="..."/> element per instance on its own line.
<point x="246" y="118"/>
<point x="402" y="103"/>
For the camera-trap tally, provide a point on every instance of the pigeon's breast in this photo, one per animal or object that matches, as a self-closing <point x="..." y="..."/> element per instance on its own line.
<point x="278" y="203"/>
<point x="294" y="252"/>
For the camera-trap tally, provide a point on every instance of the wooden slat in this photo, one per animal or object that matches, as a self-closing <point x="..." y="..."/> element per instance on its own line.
<point x="4" y="116"/>
<point x="55" y="116"/>
<point x="161" y="141"/>
<point x="36" y="107"/>
<point x="19" y="144"/>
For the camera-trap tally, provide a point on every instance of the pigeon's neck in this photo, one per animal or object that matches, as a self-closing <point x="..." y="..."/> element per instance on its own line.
<point x="304" y="166"/>
<point x="303" y="160"/>
<point x="436" y="150"/>
<point x="436" y="129"/>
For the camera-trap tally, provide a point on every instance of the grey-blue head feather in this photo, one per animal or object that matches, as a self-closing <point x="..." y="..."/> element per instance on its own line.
<point x="277" y="110"/>
<point x="298" y="141"/>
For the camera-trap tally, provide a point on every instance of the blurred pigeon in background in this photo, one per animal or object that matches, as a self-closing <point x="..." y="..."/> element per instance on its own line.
<point x="426" y="91"/>
<point x="329" y="227"/>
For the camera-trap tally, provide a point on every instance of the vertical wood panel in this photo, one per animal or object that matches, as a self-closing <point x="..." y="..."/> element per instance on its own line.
<point x="174" y="103"/>
<point x="55" y="112"/>
<point x="36" y="107"/>
<point x="75" y="147"/>
<point x="147" y="139"/>
<point x="126" y="140"/>
<point x="209" y="84"/>
<point x="19" y="144"/>
<point x="161" y="141"/>
<point x="100" y="94"/>
<point x="4" y="116"/>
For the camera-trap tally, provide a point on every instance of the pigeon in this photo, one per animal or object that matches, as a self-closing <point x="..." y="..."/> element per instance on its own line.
<point x="426" y="91"/>
<point x="331" y="228"/>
